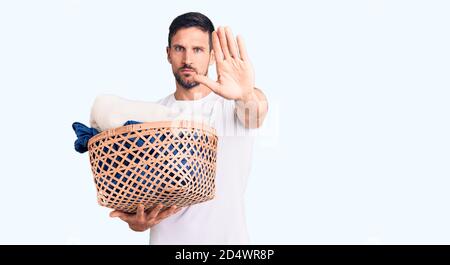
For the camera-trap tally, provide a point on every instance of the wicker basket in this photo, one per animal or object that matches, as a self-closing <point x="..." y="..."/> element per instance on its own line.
<point x="172" y="163"/>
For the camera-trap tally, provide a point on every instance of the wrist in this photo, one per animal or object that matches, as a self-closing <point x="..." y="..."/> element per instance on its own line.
<point x="247" y="96"/>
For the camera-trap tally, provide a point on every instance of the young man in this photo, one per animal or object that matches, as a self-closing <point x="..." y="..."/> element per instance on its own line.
<point x="234" y="106"/>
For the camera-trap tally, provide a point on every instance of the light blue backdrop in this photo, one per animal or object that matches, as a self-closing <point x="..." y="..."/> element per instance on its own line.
<point x="355" y="150"/>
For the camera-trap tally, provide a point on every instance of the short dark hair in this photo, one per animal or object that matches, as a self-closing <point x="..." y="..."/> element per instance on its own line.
<point x="191" y="19"/>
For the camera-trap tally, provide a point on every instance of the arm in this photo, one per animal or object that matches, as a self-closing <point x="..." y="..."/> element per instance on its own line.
<point x="251" y="111"/>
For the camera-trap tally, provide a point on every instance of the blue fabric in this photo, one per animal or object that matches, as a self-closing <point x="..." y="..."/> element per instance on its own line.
<point x="131" y="122"/>
<point x="85" y="133"/>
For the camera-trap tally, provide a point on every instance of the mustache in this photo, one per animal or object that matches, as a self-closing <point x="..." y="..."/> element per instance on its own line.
<point x="188" y="67"/>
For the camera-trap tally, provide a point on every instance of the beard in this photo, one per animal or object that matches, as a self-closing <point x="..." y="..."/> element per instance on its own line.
<point x="185" y="83"/>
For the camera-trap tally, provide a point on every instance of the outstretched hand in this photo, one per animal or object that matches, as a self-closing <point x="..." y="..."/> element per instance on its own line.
<point x="235" y="75"/>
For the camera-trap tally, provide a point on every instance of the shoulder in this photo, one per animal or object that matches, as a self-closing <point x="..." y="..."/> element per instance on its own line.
<point x="165" y="100"/>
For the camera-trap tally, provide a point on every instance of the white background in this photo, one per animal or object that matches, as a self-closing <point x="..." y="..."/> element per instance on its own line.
<point x="356" y="148"/>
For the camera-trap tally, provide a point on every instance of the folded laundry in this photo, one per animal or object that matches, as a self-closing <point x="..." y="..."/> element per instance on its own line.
<point x="110" y="111"/>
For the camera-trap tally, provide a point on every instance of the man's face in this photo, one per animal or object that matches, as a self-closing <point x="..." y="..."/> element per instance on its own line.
<point x="189" y="55"/>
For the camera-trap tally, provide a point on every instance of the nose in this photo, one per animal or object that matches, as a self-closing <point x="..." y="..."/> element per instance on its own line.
<point x="187" y="58"/>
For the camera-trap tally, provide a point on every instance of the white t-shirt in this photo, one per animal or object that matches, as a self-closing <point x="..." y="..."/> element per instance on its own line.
<point x="222" y="219"/>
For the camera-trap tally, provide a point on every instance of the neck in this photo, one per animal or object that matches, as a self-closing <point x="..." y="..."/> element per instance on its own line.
<point x="194" y="93"/>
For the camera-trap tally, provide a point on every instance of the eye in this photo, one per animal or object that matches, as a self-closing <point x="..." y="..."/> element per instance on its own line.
<point x="178" y="48"/>
<point x="197" y="50"/>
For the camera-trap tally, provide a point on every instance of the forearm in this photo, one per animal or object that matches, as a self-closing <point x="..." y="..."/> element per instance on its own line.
<point x="251" y="111"/>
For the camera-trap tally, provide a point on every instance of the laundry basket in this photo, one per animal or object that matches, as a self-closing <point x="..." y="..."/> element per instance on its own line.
<point x="168" y="162"/>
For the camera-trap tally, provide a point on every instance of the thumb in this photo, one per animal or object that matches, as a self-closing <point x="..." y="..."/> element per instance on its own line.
<point x="213" y="85"/>
<point x="114" y="214"/>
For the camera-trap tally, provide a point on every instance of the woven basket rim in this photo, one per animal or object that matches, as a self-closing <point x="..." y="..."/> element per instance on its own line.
<point x="153" y="125"/>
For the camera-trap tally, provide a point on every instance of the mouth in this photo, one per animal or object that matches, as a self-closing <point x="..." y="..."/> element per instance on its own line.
<point x="187" y="71"/>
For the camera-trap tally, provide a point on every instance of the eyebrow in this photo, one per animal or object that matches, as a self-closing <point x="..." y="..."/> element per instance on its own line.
<point x="181" y="46"/>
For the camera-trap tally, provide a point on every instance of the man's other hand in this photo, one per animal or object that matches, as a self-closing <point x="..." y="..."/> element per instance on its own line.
<point x="142" y="220"/>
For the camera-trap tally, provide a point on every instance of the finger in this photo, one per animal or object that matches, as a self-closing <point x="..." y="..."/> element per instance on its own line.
<point x="115" y="213"/>
<point x="216" y="47"/>
<point x="223" y="43"/>
<point x="153" y="213"/>
<point x="166" y="213"/>
<point x="231" y="43"/>
<point x="242" y="49"/>
<point x="213" y="85"/>
<point x="155" y="223"/>
<point x="123" y="216"/>
<point x="140" y="214"/>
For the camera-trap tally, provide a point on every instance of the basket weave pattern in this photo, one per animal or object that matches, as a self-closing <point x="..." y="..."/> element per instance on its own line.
<point x="172" y="163"/>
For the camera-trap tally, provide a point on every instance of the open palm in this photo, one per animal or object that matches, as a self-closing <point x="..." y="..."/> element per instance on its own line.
<point x="235" y="76"/>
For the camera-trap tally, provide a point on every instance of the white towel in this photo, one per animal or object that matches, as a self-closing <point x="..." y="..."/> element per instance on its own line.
<point x="110" y="111"/>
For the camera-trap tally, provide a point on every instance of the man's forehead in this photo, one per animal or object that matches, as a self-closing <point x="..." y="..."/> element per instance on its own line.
<point x="190" y="37"/>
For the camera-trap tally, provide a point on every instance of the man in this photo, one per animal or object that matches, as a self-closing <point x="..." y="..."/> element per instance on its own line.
<point x="235" y="107"/>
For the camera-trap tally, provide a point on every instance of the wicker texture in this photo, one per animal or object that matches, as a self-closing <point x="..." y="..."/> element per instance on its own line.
<point x="172" y="163"/>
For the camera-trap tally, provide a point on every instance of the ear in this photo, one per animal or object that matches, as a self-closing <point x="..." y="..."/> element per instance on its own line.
<point x="212" y="58"/>
<point x="168" y="55"/>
